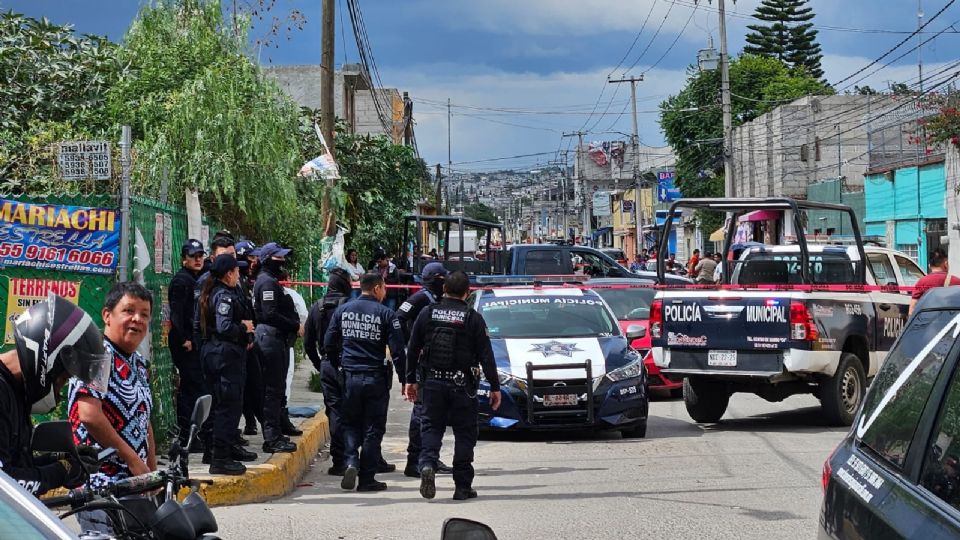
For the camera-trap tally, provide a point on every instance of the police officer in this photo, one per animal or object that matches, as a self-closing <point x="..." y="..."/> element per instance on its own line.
<point x="432" y="275"/>
<point x="224" y="360"/>
<point x="338" y="292"/>
<point x="184" y="352"/>
<point x="277" y="320"/>
<point x="453" y="340"/>
<point x="253" y="390"/>
<point x="356" y="341"/>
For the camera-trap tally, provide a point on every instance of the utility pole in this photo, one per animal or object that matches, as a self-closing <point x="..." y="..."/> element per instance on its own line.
<point x="635" y="147"/>
<point x="728" y="171"/>
<point x="123" y="265"/>
<point x="327" y="114"/>
<point x="449" y="118"/>
<point x="581" y="182"/>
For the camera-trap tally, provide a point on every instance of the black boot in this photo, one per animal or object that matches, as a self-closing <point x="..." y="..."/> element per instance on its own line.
<point x="462" y="494"/>
<point x="384" y="467"/>
<point x="412" y="469"/>
<point x="371" y="485"/>
<point x="336" y="470"/>
<point x="227" y="466"/>
<point x="279" y="446"/>
<point x="287" y="427"/>
<point x="443" y="468"/>
<point x="240" y="453"/>
<point x="428" y="485"/>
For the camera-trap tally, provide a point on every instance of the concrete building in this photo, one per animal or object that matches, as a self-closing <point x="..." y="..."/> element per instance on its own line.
<point x="814" y="138"/>
<point x="352" y="100"/>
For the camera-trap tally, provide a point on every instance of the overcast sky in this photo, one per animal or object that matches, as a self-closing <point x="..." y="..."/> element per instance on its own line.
<point x="522" y="72"/>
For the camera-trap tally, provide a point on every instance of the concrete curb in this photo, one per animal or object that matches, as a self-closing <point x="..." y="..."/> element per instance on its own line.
<point x="275" y="478"/>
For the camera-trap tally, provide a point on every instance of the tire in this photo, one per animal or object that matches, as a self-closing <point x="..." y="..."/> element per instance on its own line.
<point x="842" y="394"/>
<point x="637" y="432"/>
<point x="706" y="401"/>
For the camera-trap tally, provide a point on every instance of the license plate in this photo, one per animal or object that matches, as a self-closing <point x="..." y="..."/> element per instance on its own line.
<point x="722" y="358"/>
<point x="559" y="400"/>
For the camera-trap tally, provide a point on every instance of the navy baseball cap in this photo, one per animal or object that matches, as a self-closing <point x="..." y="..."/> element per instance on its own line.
<point x="433" y="270"/>
<point x="191" y="247"/>
<point x="273" y="249"/>
<point x="223" y="264"/>
<point x="245" y="248"/>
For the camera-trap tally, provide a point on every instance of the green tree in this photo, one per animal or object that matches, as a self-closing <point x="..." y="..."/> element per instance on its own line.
<point x="692" y="119"/>
<point x="481" y="212"/>
<point x="788" y="35"/>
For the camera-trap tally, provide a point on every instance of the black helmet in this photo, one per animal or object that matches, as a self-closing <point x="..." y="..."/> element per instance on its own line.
<point x="339" y="282"/>
<point x="54" y="337"/>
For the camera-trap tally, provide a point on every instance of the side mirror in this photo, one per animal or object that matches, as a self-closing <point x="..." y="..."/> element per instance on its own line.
<point x="464" y="529"/>
<point x="636" y="331"/>
<point x="201" y="410"/>
<point x="53" y="437"/>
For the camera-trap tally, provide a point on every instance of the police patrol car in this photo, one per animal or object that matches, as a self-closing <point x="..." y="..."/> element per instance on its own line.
<point x="563" y="362"/>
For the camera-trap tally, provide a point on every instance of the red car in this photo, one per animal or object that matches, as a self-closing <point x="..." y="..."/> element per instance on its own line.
<point x="631" y="305"/>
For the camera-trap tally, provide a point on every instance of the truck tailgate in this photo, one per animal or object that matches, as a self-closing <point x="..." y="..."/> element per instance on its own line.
<point x="726" y="321"/>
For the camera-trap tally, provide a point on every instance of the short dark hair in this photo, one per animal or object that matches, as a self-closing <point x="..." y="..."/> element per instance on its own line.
<point x="456" y="284"/>
<point x="938" y="257"/>
<point x="221" y="242"/>
<point x="127" y="288"/>
<point x="370" y="281"/>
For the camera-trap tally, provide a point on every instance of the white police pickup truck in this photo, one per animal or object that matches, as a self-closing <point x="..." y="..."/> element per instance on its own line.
<point x="797" y="319"/>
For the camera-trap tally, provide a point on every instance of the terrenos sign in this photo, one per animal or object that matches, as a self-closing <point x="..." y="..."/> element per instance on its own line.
<point x="601" y="203"/>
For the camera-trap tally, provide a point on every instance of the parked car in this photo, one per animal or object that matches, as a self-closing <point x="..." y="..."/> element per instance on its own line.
<point x="616" y="254"/>
<point x="25" y="517"/>
<point x="897" y="473"/>
<point x="631" y="306"/>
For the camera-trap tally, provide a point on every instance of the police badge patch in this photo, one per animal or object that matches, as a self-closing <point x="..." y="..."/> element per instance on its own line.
<point x="267" y="296"/>
<point x="223" y="308"/>
<point x="396" y="323"/>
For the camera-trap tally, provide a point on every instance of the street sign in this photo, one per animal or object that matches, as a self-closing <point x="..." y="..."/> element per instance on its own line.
<point x="666" y="190"/>
<point x="81" y="160"/>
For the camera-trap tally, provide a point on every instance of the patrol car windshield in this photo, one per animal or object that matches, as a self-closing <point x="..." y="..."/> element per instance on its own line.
<point x="547" y="317"/>
<point x="628" y="304"/>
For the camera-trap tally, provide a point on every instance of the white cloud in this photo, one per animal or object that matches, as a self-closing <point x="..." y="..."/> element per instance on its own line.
<point x="488" y="136"/>
<point x="571" y="17"/>
<point x="838" y="67"/>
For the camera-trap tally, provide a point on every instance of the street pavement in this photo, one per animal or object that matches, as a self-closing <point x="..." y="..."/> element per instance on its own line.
<point x="754" y="475"/>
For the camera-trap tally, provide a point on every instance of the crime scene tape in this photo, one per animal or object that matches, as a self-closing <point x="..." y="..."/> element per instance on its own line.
<point x="776" y="287"/>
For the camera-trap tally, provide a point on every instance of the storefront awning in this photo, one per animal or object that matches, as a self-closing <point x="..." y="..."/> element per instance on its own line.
<point x="601" y="231"/>
<point x="718" y="235"/>
<point x="760" y="215"/>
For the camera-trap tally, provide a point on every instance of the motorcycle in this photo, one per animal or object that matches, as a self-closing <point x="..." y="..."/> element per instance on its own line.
<point x="133" y="513"/>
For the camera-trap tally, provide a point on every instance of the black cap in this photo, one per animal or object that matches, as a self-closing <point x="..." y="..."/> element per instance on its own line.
<point x="223" y="264"/>
<point x="191" y="247"/>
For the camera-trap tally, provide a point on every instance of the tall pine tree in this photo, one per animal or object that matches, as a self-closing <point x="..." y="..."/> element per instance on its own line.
<point x="788" y="35"/>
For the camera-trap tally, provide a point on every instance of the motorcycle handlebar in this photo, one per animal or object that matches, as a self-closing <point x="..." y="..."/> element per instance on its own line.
<point x="139" y="484"/>
<point x="74" y="496"/>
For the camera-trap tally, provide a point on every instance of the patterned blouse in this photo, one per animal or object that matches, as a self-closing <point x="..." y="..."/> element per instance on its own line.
<point x="127" y="404"/>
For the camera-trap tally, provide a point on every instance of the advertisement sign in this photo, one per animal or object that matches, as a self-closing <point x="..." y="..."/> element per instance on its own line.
<point x="601" y="203"/>
<point x="27" y="292"/>
<point x="666" y="190"/>
<point x="58" y="237"/>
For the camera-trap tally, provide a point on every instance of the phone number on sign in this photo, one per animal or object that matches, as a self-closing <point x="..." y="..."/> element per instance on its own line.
<point x="53" y="254"/>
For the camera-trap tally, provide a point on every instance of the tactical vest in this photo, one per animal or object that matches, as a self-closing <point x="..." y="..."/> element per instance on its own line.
<point x="448" y="342"/>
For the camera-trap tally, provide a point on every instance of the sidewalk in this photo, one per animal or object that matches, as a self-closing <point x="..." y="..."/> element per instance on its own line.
<point x="271" y="475"/>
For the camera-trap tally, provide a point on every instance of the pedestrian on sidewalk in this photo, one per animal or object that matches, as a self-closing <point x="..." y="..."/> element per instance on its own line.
<point x="433" y="276"/>
<point x="453" y="340"/>
<point x="338" y="293"/>
<point x="939" y="276"/>
<point x="277" y="321"/>
<point x="225" y="334"/>
<point x="356" y="342"/>
<point x="183" y="351"/>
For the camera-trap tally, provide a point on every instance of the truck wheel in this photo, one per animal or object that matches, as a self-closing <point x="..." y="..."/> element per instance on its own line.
<point x="841" y="394"/>
<point x="636" y="432"/>
<point x="706" y="401"/>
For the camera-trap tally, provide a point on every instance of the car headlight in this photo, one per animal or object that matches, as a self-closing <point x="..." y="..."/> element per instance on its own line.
<point x="629" y="371"/>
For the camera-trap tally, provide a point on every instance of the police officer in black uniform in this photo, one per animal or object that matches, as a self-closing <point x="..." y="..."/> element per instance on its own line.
<point x="253" y="391"/>
<point x="356" y="341"/>
<point x="184" y="352"/>
<point x="224" y="360"/>
<point x="338" y="292"/>
<point x="453" y="340"/>
<point x="277" y="320"/>
<point x="433" y="275"/>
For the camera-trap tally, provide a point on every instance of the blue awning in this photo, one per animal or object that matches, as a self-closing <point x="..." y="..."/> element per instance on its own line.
<point x="662" y="219"/>
<point x="601" y="231"/>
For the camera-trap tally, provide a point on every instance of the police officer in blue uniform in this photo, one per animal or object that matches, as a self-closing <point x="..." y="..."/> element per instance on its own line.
<point x="183" y="351"/>
<point x="356" y="342"/>
<point x="253" y="391"/>
<point x="432" y="275"/>
<point x="277" y="321"/>
<point x="338" y="292"/>
<point x="224" y="360"/>
<point x="448" y="347"/>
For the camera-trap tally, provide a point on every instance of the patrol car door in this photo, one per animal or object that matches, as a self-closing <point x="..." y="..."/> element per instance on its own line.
<point x="891" y="307"/>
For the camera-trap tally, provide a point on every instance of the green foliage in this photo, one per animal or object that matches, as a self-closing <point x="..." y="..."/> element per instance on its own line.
<point x="758" y="84"/>
<point x="788" y="35"/>
<point x="481" y="212"/>
<point x="314" y="384"/>
<point x="51" y="80"/>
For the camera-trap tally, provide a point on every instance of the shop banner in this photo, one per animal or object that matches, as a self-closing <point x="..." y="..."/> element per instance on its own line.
<point x="24" y="293"/>
<point x="57" y="237"/>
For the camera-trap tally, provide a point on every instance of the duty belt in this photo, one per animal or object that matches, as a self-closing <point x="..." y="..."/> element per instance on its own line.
<point x="458" y="377"/>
